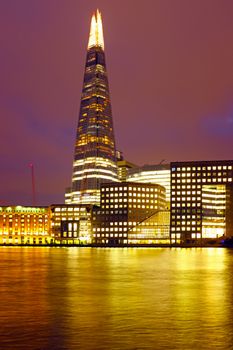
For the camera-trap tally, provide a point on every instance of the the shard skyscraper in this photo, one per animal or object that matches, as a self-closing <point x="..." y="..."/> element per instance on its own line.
<point x="95" y="152"/>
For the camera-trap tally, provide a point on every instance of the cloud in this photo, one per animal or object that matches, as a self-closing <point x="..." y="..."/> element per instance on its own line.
<point x="219" y="126"/>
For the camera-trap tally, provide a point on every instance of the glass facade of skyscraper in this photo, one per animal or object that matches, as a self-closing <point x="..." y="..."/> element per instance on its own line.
<point x="95" y="153"/>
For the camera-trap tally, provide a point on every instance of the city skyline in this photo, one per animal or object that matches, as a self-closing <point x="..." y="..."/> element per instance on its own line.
<point x="170" y="76"/>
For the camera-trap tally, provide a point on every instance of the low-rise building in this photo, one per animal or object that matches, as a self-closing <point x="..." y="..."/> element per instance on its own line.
<point x="71" y="224"/>
<point x="25" y="225"/>
<point x="123" y="207"/>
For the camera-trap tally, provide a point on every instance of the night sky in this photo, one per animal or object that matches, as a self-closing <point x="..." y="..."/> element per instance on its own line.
<point x="170" y="70"/>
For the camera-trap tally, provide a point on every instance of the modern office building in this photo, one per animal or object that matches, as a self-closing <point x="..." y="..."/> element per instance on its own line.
<point x="155" y="174"/>
<point x="71" y="224"/>
<point x="95" y="152"/>
<point x="123" y="207"/>
<point x="153" y="230"/>
<point x="25" y="225"/>
<point x="123" y="167"/>
<point x="201" y="201"/>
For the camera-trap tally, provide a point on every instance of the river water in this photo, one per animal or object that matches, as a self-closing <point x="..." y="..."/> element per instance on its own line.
<point x="116" y="298"/>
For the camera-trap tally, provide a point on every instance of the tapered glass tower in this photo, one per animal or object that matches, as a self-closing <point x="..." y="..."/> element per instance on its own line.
<point x="95" y="152"/>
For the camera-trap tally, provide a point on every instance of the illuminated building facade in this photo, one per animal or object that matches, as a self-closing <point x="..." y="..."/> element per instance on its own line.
<point x="153" y="230"/>
<point x="155" y="174"/>
<point x="123" y="167"/>
<point x="24" y="225"/>
<point x="201" y="201"/>
<point x="71" y="224"/>
<point x="123" y="206"/>
<point x="95" y="153"/>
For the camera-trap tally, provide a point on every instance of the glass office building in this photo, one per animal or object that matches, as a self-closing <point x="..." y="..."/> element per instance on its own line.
<point x="201" y="201"/>
<point x="95" y="153"/>
<point x="153" y="230"/>
<point x="155" y="174"/>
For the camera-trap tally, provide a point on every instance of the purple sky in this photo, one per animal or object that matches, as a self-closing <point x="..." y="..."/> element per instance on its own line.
<point x="170" y="69"/>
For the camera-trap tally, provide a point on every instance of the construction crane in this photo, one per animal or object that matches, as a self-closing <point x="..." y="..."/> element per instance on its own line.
<point x="33" y="184"/>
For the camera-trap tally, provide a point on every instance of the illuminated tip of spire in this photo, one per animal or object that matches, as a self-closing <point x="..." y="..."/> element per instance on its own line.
<point x="96" y="37"/>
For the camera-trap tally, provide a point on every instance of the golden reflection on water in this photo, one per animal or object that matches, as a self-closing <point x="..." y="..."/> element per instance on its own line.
<point x="85" y="298"/>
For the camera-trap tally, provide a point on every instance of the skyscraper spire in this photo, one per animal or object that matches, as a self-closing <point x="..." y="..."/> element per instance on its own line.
<point x="95" y="152"/>
<point x="96" y="37"/>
